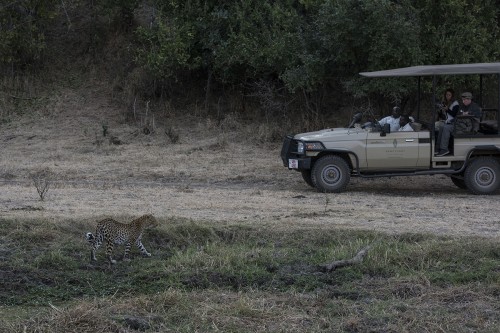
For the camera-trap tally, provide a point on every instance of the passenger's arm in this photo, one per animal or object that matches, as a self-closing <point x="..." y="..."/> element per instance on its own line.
<point x="454" y="110"/>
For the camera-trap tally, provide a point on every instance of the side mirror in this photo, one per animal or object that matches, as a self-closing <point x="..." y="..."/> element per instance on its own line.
<point x="355" y="119"/>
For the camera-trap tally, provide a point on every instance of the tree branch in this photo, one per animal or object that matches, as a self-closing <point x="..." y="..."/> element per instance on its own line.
<point x="358" y="258"/>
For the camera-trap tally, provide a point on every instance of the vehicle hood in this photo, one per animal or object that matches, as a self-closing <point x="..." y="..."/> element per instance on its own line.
<point x="333" y="134"/>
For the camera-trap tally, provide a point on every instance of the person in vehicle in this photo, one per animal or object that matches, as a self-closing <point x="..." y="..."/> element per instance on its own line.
<point x="405" y="124"/>
<point x="469" y="108"/>
<point x="392" y="120"/>
<point x="448" y="104"/>
<point x="446" y="130"/>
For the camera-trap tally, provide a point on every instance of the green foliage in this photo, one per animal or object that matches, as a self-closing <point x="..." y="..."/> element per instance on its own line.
<point x="122" y="11"/>
<point x="166" y="49"/>
<point x="261" y="40"/>
<point x="354" y="36"/>
<point x="458" y="31"/>
<point x="22" y="30"/>
<point x="311" y="47"/>
<point x="308" y="44"/>
<point x="236" y="41"/>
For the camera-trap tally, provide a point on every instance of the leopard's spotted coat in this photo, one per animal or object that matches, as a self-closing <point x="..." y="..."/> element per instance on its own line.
<point x="114" y="232"/>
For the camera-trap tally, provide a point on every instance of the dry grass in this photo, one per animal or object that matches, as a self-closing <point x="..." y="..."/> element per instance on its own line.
<point x="226" y="174"/>
<point x="256" y="312"/>
<point x="216" y="170"/>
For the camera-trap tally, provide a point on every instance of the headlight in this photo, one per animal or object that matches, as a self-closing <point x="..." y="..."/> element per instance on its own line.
<point x="300" y="147"/>
<point x="314" y="146"/>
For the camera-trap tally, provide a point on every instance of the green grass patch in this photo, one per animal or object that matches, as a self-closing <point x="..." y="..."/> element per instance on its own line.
<point x="46" y="266"/>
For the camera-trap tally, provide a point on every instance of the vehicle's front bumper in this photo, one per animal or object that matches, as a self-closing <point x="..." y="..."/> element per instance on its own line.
<point x="291" y="159"/>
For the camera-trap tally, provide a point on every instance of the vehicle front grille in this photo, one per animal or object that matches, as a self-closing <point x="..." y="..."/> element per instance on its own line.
<point x="289" y="147"/>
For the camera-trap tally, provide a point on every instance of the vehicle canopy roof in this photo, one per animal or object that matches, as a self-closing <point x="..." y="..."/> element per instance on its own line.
<point x="435" y="70"/>
<point x="429" y="70"/>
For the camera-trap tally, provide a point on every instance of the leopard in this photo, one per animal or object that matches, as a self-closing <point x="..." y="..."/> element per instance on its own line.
<point x="114" y="232"/>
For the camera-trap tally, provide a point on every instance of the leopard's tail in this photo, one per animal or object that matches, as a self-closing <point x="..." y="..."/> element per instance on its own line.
<point x="90" y="237"/>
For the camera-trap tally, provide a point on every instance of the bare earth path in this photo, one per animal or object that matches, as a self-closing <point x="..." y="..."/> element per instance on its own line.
<point x="210" y="175"/>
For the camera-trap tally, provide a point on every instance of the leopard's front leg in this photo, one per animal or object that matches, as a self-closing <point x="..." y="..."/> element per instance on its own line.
<point x="109" y="252"/>
<point x="142" y="248"/>
<point x="95" y="242"/>
<point x="95" y="246"/>
<point x="127" y="251"/>
<point x="92" y="255"/>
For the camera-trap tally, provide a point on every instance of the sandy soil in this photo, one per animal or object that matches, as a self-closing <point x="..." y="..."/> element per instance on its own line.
<point x="212" y="174"/>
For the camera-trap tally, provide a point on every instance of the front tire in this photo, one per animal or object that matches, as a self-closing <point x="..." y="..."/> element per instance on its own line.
<point x="482" y="176"/>
<point x="306" y="175"/>
<point x="331" y="173"/>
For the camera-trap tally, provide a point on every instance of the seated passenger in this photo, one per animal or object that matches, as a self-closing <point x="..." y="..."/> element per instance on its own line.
<point x="448" y="104"/>
<point x="469" y="108"/>
<point x="443" y="138"/>
<point x="405" y="124"/>
<point x="392" y="120"/>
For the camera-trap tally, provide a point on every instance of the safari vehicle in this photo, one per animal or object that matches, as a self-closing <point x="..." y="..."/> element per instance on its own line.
<point x="328" y="158"/>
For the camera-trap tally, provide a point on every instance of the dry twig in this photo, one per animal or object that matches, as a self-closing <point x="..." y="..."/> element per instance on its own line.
<point x="42" y="183"/>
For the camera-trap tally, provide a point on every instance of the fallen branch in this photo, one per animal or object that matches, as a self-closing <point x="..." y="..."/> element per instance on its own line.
<point x="358" y="258"/>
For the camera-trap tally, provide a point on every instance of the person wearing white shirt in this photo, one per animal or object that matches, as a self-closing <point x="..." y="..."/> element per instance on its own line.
<point x="405" y="124"/>
<point x="392" y="120"/>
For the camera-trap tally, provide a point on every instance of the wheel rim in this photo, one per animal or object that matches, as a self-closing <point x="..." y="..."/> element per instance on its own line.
<point x="485" y="176"/>
<point x="331" y="175"/>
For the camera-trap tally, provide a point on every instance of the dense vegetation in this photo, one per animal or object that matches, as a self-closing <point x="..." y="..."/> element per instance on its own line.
<point x="283" y="55"/>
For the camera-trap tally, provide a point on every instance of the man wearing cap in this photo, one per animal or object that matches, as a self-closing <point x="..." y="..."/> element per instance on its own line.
<point x="469" y="108"/>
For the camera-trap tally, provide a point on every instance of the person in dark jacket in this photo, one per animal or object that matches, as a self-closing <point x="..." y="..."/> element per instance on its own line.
<point x="449" y="102"/>
<point x="443" y="138"/>
<point x="469" y="116"/>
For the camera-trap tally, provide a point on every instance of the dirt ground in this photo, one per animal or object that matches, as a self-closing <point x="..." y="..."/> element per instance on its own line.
<point x="211" y="174"/>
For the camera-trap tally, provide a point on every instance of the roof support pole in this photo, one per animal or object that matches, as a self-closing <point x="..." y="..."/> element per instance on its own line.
<point x="433" y="107"/>
<point x="481" y="90"/>
<point x="498" y="96"/>
<point x="418" y="98"/>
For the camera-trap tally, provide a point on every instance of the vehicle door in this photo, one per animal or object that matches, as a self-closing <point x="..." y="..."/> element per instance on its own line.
<point x="397" y="150"/>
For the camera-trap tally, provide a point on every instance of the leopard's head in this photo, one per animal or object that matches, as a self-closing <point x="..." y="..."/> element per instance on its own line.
<point x="149" y="221"/>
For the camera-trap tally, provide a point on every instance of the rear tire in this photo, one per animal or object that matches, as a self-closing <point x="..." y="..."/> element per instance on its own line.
<point x="482" y="175"/>
<point x="331" y="173"/>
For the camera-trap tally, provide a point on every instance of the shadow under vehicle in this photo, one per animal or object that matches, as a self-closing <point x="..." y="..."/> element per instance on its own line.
<point x="328" y="158"/>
